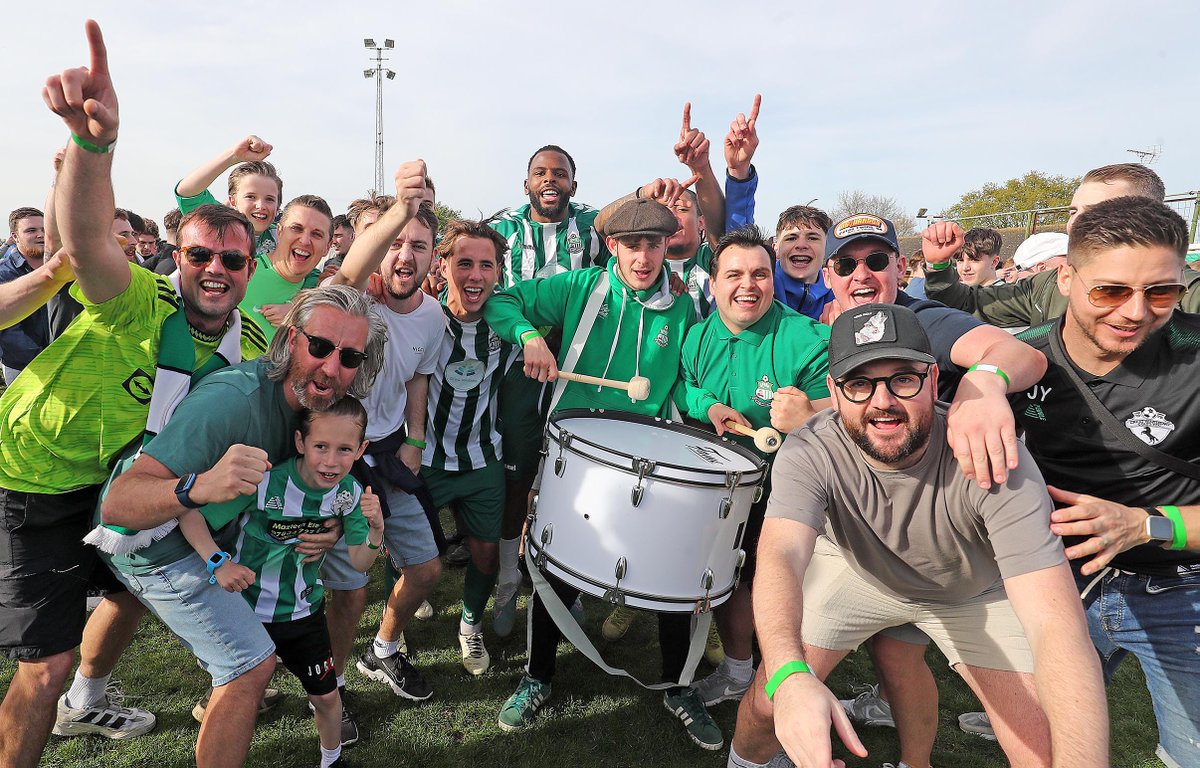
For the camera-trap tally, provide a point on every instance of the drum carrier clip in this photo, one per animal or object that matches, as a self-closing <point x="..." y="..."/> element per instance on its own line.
<point x="704" y="605"/>
<point x="643" y="467"/>
<point x="564" y="442"/>
<point x="732" y="480"/>
<point x="615" y="595"/>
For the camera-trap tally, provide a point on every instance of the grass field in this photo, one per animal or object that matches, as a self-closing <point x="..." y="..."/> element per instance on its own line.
<point x="591" y="720"/>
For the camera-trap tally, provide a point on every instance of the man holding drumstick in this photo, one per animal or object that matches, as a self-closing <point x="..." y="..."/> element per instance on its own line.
<point x="617" y="323"/>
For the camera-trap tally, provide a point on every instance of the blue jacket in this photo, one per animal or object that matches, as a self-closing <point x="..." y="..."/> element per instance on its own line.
<point x="22" y="342"/>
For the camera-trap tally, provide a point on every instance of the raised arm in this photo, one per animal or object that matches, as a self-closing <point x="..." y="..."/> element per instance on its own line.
<point x="369" y="248"/>
<point x="692" y="150"/>
<point x="741" y="180"/>
<point x="665" y="191"/>
<point x="21" y="297"/>
<point x="1011" y="305"/>
<point x="86" y="101"/>
<point x="247" y="150"/>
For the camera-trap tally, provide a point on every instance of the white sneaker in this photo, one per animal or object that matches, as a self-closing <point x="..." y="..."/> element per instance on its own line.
<point x="106" y="718"/>
<point x="720" y="686"/>
<point x="474" y="655"/>
<point x="868" y="708"/>
<point x="977" y="723"/>
<point x="424" y="612"/>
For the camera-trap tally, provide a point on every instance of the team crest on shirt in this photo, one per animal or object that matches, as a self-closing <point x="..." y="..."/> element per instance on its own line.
<point x="663" y="338"/>
<point x="603" y="311"/>
<point x="343" y="502"/>
<point x="574" y="244"/>
<point x="1149" y="425"/>
<point x="465" y="375"/>
<point x="274" y="504"/>
<point x="764" y="393"/>
<point x="493" y="342"/>
<point x="140" y="386"/>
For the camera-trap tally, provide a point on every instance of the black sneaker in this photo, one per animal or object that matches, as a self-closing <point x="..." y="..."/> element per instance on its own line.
<point x="349" y="727"/>
<point x="396" y="672"/>
<point x="459" y="556"/>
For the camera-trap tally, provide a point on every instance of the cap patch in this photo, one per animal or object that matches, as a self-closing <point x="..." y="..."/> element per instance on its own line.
<point x="861" y="224"/>
<point x="872" y="329"/>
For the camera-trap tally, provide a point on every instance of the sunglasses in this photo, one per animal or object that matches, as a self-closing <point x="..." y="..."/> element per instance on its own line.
<point x="321" y="348"/>
<point x="1161" y="296"/>
<point x="844" y="266"/>
<point x="199" y="256"/>
<point x="904" y="385"/>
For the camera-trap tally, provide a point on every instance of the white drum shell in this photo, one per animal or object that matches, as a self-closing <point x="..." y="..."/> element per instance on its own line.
<point x="668" y="541"/>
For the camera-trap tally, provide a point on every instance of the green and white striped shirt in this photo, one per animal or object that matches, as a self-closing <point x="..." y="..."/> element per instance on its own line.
<point x="271" y="522"/>
<point x="541" y="250"/>
<point x="461" y="429"/>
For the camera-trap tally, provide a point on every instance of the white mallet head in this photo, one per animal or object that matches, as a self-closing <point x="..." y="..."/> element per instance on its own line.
<point x="767" y="440"/>
<point x="639" y="388"/>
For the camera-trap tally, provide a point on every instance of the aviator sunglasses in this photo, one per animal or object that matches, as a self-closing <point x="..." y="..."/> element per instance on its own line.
<point x="321" y="348"/>
<point x="199" y="256"/>
<point x="844" y="266"/>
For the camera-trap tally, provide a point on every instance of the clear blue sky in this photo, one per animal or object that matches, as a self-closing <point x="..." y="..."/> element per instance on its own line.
<point x="921" y="105"/>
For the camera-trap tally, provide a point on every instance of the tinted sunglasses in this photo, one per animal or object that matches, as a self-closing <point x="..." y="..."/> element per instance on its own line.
<point x="844" y="266"/>
<point x="199" y="256"/>
<point x="1160" y="296"/>
<point x="321" y="348"/>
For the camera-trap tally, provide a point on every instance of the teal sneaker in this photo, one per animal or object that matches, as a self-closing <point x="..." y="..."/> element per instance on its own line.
<point x="504" y="613"/>
<point x="688" y="707"/>
<point x="522" y="707"/>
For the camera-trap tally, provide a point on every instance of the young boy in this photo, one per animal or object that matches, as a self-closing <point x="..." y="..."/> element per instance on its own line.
<point x="285" y="592"/>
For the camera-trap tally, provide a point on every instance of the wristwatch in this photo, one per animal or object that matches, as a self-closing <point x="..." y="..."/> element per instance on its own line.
<point x="1159" y="529"/>
<point x="218" y="559"/>
<point x="183" y="489"/>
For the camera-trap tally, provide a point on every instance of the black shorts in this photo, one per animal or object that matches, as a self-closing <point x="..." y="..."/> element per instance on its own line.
<point x="306" y="651"/>
<point x="754" y="525"/>
<point x="46" y="571"/>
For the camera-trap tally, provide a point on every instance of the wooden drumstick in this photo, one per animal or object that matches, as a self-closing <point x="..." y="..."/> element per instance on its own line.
<point x="766" y="439"/>
<point x="638" y="387"/>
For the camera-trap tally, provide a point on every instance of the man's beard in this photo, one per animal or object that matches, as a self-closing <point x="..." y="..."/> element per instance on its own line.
<point x="319" y="404"/>
<point x="916" y="435"/>
<point x="556" y="213"/>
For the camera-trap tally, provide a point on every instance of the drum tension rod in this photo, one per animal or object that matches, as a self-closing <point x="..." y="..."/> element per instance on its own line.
<point x="564" y="442"/>
<point x="615" y="595"/>
<point x="731" y="482"/>
<point x="643" y="467"/>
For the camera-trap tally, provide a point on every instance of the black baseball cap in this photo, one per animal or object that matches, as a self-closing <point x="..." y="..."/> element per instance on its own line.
<point x="876" y="332"/>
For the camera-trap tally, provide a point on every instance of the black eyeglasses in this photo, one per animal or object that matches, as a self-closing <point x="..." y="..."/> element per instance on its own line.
<point x="321" y="348"/>
<point x="199" y="256"/>
<point x="904" y="385"/>
<point x="844" y="266"/>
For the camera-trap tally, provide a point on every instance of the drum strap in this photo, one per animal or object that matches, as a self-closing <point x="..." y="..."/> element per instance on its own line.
<point x="591" y="311"/>
<point x="566" y="624"/>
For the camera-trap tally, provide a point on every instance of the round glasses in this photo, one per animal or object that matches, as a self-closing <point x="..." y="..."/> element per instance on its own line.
<point x="904" y="385"/>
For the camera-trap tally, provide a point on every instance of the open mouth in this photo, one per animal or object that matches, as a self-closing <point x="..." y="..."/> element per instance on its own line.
<point x="549" y="196"/>
<point x="800" y="261"/>
<point x="299" y="254"/>
<point x="864" y="295"/>
<point x="329" y="477"/>
<point x="213" y="288"/>
<point x="1124" y="331"/>
<point x="473" y="294"/>
<point x="747" y="301"/>
<point x="886" y="423"/>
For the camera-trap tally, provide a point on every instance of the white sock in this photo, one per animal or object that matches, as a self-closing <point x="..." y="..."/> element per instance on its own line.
<point x="736" y="761"/>
<point x="330" y="756"/>
<point x="739" y="669"/>
<point x="341" y="681"/>
<point x="510" y="574"/>
<point x="385" y="648"/>
<point x="469" y="629"/>
<point x="86" y="691"/>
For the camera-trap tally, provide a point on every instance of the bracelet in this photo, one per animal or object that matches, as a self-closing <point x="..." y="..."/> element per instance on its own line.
<point x="991" y="369"/>
<point x="93" y="148"/>
<point x="783" y="673"/>
<point x="373" y="546"/>
<point x="415" y="442"/>
<point x="937" y="267"/>
<point x="1171" y="512"/>
<point x="530" y="334"/>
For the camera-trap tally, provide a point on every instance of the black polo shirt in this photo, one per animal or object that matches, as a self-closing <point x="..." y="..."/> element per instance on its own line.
<point x="1153" y="392"/>
<point x="944" y="327"/>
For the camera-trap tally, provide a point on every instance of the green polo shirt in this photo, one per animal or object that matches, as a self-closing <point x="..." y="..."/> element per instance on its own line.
<point x="743" y="370"/>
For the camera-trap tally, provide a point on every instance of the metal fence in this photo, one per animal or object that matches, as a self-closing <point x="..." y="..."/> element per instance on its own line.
<point x="1186" y="204"/>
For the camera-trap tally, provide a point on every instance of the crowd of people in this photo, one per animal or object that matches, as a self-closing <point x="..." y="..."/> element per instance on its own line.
<point x="224" y="422"/>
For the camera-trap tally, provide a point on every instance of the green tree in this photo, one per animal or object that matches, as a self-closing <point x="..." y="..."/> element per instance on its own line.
<point x="857" y="201"/>
<point x="444" y="214"/>
<point x="998" y="203"/>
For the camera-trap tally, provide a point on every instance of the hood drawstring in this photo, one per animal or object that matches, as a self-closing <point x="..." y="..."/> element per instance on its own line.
<point x="660" y="300"/>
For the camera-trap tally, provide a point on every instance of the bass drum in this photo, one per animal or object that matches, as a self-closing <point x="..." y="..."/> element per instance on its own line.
<point x="642" y="512"/>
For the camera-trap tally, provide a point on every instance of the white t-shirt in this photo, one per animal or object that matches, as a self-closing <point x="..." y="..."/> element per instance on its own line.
<point x="414" y="343"/>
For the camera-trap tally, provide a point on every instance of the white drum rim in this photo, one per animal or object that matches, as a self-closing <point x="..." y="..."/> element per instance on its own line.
<point x="746" y="478"/>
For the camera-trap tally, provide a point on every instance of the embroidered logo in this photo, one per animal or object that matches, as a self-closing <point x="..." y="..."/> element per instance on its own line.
<point x="140" y="386"/>
<point x="1034" y="411"/>
<point x="1150" y="426"/>
<point x="574" y="244"/>
<point x="603" y="311"/>
<point x="493" y="342"/>
<point x="871" y="330"/>
<point x="863" y="223"/>
<point x="343" y="502"/>
<point x="764" y="393"/>
<point x="663" y="338"/>
<point x="275" y="503"/>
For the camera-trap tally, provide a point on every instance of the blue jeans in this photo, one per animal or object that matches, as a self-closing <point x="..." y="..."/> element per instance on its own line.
<point x="1157" y="619"/>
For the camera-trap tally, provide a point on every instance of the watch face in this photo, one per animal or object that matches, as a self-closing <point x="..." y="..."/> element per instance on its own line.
<point x="1160" y="528"/>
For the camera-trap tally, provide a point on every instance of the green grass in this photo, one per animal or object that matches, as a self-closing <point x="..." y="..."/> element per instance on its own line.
<point x="591" y="720"/>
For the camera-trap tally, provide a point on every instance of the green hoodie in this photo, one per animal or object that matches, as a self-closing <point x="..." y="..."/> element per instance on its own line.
<point x="636" y="333"/>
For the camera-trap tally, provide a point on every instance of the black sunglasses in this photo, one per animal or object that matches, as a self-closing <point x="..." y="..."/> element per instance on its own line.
<point x="321" y="348"/>
<point x="844" y="266"/>
<point x="199" y="256"/>
<point x="904" y="385"/>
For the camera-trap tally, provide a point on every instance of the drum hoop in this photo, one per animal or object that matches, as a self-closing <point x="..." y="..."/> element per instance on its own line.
<point x="749" y="477"/>
<point x="630" y="593"/>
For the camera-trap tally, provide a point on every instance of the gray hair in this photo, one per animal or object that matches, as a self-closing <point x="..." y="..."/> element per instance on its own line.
<point x="344" y="299"/>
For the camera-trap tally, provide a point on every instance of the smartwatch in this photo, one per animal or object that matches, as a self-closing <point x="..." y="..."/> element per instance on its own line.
<point x="184" y="488"/>
<point x="1159" y="529"/>
<point x="218" y="559"/>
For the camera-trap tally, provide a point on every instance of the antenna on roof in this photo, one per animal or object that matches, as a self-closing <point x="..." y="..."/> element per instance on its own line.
<point x="1147" y="156"/>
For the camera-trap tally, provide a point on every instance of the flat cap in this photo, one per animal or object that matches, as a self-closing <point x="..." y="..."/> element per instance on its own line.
<point x="641" y="216"/>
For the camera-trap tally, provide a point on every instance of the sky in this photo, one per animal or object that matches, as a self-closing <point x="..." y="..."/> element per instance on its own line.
<point x="922" y="103"/>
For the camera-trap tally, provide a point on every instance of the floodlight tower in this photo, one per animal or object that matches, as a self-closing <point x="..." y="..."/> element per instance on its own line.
<point x="379" y="72"/>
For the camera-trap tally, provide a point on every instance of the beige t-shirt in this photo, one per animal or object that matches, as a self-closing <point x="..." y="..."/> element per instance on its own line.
<point x="924" y="533"/>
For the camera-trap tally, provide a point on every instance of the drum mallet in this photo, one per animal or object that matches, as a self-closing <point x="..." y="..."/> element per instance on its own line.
<point x="766" y="439"/>
<point x="638" y="387"/>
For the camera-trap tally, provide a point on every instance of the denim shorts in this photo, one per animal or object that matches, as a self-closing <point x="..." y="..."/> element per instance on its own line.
<point x="218" y="627"/>
<point x="406" y="533"/>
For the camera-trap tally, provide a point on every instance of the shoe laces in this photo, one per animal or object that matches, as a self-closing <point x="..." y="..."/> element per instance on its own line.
<point x="475" y="647"/>
<point x="528" y="691"/>
<point x="692" y="704"/>
<point x="865" y="691"/>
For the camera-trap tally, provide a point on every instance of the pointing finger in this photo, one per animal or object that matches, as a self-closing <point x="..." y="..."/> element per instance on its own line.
<point x="690" y="182"/>
<point x="99" y="53"/>
<point x="754" y="108"/>
<point x="687" y="118"/>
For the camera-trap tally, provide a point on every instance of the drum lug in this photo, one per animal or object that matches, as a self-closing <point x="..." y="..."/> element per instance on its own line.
<point x="758" y="493"/>
<point x="615" y="596"/>
<point x="726" y="506"/>
<point x="532" y="516"/>
<point x="731" y="483"/>
<point x="560" y="463"/>
<point x="706" y="580"/>
<point x="643" y="467"/>
<point x="547" y="535"/>
<point x="737" y="569"/>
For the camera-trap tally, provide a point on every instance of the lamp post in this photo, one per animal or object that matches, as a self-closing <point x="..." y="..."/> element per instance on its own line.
<point x="379" y="72"/>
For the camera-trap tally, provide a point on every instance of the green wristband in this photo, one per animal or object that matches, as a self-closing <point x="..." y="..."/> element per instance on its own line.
<point x="783" y="673"/>
<point x="93" y="148"/>
<point x="530" y="334"/>
<point x="373" y="546"/>
<point x="1171" y="512"/>
<point x="415" y="442"/>
<point x="991" y="369"/>
<point x="937" y="267"/>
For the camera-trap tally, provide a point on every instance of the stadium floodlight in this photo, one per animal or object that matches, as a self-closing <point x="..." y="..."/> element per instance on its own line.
<point x="369" y="42"/>
<point x="389" y="43"/>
